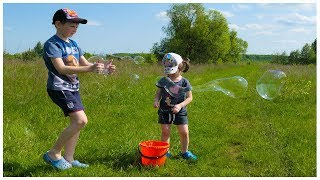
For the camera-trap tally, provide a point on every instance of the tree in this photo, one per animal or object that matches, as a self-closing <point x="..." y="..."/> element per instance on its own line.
<point x="159" y="49"/>
<point x="238" y="47"/>
<point x="29" y="55"/>
<point x="305" y="54"/>
<point x="314" y="46"/>
<point x="38" y="49"/>
<point x="294" y="57"/>
<point x="280" y="58"/>
<point x="200" y="35"/>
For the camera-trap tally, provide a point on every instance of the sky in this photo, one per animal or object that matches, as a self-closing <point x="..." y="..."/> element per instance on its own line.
<point x="268" y="28"/>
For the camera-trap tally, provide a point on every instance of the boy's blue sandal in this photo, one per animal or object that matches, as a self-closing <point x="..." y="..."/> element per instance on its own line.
<point x="76" y="163"/>
<point x="189" y="156"/>
<point x="60" y="164"/>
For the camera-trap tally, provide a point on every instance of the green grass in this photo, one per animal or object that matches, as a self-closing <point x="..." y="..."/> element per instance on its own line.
<point x="247" y="136"/>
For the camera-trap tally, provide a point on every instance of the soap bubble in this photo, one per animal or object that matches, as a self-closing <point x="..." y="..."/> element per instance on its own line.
<point x="270" y="84"/>
<point x="97" y="58"/>
<point x="234" y="86"/>
<point x="127" y="58"/>
<point x="138" y="60"/>
<point x="135" y="77"/>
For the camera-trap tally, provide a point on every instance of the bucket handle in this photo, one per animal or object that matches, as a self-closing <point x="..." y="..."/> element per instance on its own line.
<point x="149" y="157"/>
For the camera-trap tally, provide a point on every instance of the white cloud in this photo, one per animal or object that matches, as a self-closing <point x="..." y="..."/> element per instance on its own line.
<point x="293" y="7"/>
<point x="300" y="30"/>
<point x="239" y="7"/>
<point x="260" y="16"/>
<point x="162" y="16"/>
<point x="236" y="27"/>
<point x="265" y="33"/>
<point x="93" y="23"/>
<point x="227" y="14"/>
<point x="296" y="18"/>
<point x="254" y="26"/>
<point x="285" y="42"/>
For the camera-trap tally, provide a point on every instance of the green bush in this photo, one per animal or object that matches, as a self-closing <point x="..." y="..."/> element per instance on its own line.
<point x="29" y="55"/>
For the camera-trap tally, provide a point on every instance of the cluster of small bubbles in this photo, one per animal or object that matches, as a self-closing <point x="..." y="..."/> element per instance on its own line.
<point x="270" y="84"/>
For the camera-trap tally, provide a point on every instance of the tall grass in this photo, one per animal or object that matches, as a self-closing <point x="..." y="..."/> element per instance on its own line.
<point x="246" y="136"/>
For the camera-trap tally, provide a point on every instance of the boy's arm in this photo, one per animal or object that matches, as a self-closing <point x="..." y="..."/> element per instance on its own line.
<point x="63" y="69"/>
<point x="84" y="62"/>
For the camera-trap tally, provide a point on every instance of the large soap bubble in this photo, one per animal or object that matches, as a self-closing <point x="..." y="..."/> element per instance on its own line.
<point x="270" y="84"/>
<point x="234" y="86"/>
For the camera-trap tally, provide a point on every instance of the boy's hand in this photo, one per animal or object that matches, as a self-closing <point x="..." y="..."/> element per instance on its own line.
<point x="97" y="67"/>
<point x="109" y="67"/>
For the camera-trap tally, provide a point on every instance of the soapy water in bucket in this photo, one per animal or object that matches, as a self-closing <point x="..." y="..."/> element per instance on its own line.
<point x="270" y="84"/>
<point x="234" y="86"/>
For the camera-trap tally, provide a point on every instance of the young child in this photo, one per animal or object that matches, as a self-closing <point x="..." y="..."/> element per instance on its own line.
<point x="64" y="59"/>
<point x="172" y="109"/>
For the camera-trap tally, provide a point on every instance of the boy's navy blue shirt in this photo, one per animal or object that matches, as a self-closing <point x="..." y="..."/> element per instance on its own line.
<point x="58" y="48"/>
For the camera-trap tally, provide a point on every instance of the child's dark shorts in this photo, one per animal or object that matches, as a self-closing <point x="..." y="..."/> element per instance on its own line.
<point x="68" y="101"/>
<point x="170" y="118"/>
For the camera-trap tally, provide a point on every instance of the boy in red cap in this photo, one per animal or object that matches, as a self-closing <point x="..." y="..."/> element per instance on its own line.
<point x="64" y="60"/>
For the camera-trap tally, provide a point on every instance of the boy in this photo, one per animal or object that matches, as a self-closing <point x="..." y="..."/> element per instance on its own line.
<point x="64" y="59"/>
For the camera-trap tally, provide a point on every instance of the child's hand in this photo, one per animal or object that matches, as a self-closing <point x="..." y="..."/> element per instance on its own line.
<point x="156" y="104"/>
<point x="109" y="67"/>
<point x="97" y="67"/>
<point x="176" y="108"/>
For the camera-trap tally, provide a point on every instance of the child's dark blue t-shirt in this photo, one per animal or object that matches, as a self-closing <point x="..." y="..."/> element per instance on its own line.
<point x="167" y="101"/>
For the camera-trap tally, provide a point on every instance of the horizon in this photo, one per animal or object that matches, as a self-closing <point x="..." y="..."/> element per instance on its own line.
<point x="269" y="28"/>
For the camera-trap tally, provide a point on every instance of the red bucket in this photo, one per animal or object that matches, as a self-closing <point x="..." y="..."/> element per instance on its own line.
<point x="153" y="152"/>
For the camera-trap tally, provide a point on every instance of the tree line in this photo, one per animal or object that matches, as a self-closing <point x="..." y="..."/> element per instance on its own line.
<point x="201" y="35"/>
<point x="307" y="55"/>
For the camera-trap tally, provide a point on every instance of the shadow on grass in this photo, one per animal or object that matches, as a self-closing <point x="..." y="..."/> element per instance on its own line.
<point x="120" y="161"/>
<point x="15" y="169"/>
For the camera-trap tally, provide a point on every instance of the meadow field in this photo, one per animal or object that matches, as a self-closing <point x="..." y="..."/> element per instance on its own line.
<point x="232" y="137"/>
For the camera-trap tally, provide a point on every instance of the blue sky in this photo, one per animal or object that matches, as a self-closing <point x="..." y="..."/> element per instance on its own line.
<point x="135" y="27"/>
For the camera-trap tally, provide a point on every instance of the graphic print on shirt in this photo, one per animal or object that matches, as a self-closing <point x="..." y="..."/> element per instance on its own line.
<point x="168" y="101"/>
<point x="70" y="60"/>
